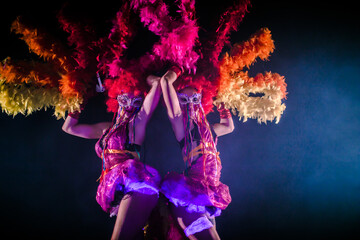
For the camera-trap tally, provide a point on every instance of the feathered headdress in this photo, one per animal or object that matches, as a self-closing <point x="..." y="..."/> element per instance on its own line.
<point x="66" y="77"/>
<point x="257" y="97"/>
<point x="221" y="79"/>
<point x="175" y="45"/>
<point x="62" y="82"/>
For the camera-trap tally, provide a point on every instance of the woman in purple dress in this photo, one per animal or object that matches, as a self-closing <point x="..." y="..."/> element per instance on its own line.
<point x="128" y="188"/>
<point x="197" y="195"/>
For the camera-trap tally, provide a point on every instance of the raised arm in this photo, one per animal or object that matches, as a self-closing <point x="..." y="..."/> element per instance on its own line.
<point x="151" y="100"/>
<point x="89" y="131"/>
<point x="226" y="124"/>
<point x="172" y="104"/>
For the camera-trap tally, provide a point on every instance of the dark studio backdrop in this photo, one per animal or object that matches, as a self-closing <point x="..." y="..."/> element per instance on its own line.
<point x="299" y="179"/>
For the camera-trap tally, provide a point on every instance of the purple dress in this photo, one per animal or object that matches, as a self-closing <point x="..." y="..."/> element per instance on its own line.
<point x="123" y="172"/>
<point x="199" y="188"/>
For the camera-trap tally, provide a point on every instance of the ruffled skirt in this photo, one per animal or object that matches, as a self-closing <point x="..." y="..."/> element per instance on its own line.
<point x="130" y="175"/>
<point x="199" y="190"/>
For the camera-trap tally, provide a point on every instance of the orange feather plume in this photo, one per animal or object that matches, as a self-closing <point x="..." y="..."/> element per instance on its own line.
<point x="29" y="72"/>
<point x="43" y="45"/>
<point x="244" y="54"/>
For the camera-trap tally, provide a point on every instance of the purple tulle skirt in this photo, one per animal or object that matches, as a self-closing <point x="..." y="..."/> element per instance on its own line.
<point x="199" y="190"/>
<point x="131" y="175"/>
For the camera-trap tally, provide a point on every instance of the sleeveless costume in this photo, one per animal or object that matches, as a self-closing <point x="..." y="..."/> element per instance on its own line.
<point x="123" y="172"/>
<point x="199" y="188"/>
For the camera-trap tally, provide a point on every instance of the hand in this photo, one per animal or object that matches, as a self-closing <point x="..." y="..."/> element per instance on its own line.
<point x="76" y="114"/>
<point x="177" y="70"/>
<point x="170" y="76"/>
<point x="221" y="106"/>
<point x="224" y="113"/>
<point x="151" y="80"/>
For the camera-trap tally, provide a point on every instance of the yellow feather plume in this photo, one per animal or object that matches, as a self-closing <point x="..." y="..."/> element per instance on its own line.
<point x="25" y="99"/>
<point x="242" y="96"/>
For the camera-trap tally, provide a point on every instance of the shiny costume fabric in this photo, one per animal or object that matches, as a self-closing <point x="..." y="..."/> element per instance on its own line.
<point x="199" y="188"/>
<point x="124" y="172"/>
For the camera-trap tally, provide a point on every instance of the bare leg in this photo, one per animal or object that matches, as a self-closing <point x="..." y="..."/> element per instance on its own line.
<point x="134" y="210"/>
<point x="185" y="219"/>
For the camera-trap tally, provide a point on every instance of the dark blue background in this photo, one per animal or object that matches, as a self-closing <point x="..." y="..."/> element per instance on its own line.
<point x="299" y="179"/>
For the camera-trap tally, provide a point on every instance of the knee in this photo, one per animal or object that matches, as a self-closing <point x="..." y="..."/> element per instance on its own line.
<point x="200" y="224"/>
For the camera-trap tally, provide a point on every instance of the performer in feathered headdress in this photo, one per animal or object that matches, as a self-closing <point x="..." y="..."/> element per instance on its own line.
<point x="191" y="90"/>
<point x="128" y="188"/>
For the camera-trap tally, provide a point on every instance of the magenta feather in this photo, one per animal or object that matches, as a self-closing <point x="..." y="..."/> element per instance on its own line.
<point x="229" y="22"/>
<point x="155" y="16"/>
<point x="177" y="46"/>
<point x="83" y="38"/>
<point x="114" y="45"/>
<point x="177" y="36"/>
